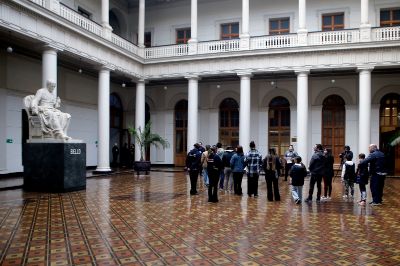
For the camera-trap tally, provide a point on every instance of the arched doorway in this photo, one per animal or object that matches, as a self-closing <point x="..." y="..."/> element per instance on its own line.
<point x="181" y="119"/>
<point x="229" y="122"/>
<point x="389" y="129"/>
<point x="279" y="124"/>
<point x="333" y="125"/>
<point x="116" y="123"/>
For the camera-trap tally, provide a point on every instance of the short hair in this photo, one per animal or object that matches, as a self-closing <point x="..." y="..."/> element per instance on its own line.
<point x="373" y="147"/>
<point x="297" y="159"/>
<point x="319" y="147"/>
<point x="361" y="156"/>
<point x="239" y="149"/>
<point x="252" y="144"/>
<point x="349" y="157"/>
<point x="196" y="145"/>
<point x="208" y="147"/>
<point x="347" y="147"/>
<point x="219" y="145"/>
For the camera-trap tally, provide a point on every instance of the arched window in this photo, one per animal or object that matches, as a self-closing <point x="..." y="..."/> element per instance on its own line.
<point x="333" y="124"/>
<point x="279" y="124"/>
<point x="229" y="122"/>
<point x="389" y="127"/>
<point x="181" y="119"/>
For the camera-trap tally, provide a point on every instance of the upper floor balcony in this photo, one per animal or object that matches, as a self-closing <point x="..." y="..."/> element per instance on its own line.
<point x="337" y="36"/>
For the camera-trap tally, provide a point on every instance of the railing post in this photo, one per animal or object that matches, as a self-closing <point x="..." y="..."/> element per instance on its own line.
<point x="192" y="48"/>
<point x="53" y="5"/>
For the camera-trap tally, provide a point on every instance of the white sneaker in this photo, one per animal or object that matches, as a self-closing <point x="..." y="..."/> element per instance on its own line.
<point x="345" y="196"/>
<point x="324" y="198"/>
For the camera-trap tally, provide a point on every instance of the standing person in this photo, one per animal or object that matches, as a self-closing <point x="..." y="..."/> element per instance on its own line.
<point x="220" y="153"/>
<point x="115" y="153"/>
<point x="226" y="161"/>
<point x="297" y="174"/>
<point x="193" y="165"/>
<point x="237" y="166"/>
<point x="253" y="161"/>
<point x="271" y="164"/>
<point x="348" y="176"/>
<point x="362" y="175"/>
<point x="204" y="157"/>
<point x="329" y="173"/>
<point x="317" y="169"/>
<point x="214" y="168"/>
<point x="131" y="155"/>
<point x="377" y="168"/>
<point x="345" y="152"/>
<point x="290" y="154"/>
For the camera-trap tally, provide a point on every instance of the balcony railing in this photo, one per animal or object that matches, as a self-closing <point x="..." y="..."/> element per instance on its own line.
<point x="386" y="34"/>
<point x="333" y="37"/>
<point x="223" y="46"/>
<point x="166" y="51"/>
<point x="76" y="18"/>
<point x="218" y="46"/>
<point x="274" y="41"/>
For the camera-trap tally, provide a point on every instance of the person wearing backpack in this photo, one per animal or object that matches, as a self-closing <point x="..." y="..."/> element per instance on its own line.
<point x="237" y="166"/>
<point x="348" y="176"/>
<point x="297" y="174"/>
<point x="214" y="168"/>
<point x="193" y="166"/>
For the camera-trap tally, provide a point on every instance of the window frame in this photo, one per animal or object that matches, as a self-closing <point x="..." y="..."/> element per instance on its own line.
<point x="279" y="31"/>
<point x="390" y="21"/>
<point x="333" y="26"/>
<point x="186" y="38"/>
<point x="232" y="36"/>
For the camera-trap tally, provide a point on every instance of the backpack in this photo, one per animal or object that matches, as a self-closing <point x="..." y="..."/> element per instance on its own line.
<point x="350" y="173"/>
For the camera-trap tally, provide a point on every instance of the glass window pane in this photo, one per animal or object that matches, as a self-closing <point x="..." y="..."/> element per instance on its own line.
<point x="224" y="29"/>
<point x="396" y="14"/>
<point x="285" y="24"/>
<point x="327" y="20"/>
<point x="385" y="15"/>
<point x="273" y="25"/>
<point x="180" y="34"/>
<point x="235" y="28"/>
<point x="339" y="19"/>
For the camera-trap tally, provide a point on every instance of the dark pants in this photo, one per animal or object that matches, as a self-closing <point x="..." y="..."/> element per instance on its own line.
<point x="252" y="184"/>
<point x="377" y="184"/>
<point x="327" y="186"/>
<point x="288" y="166"/>
<point x="193" y="181"/>
<point x="315" y="179"/>
<point x="237" y="183"/>
<point x="272" y="182"/>
<point x="213" y="186"/>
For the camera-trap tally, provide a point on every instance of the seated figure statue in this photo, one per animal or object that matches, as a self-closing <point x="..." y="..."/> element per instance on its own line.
<point x="44" y="104"/>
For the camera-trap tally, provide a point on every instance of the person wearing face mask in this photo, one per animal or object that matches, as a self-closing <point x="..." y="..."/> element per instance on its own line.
<point x="290" y="154"/>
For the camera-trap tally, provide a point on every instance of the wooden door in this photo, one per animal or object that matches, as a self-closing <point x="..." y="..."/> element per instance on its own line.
<point x="181" y="111"/>
<point x="279" y="125"/>
<point x="229" y="123"/>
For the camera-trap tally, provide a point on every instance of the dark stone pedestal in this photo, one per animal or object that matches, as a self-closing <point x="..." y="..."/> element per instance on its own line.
<point x="54" y="167"/>
<point x="142" y="166"/>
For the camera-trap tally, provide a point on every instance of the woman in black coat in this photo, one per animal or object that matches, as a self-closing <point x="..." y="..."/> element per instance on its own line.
<point x="329" y="173"/>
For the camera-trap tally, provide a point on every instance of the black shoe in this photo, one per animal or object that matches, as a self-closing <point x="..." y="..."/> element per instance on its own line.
<point x="194" y="193"/>
<point x="256" y="196"/>
<point x="308" y="200"/>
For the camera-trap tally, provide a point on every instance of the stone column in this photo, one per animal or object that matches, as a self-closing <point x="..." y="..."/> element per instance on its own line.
<point x="103" y="146"/>
<point x="244" y="111"/>
<point x="140" y="112"/>
<point x="364" y="111"/>
<point x="193" y="111"/>
<point x="245" y="35"/>
<point x="365" y="26"/>
<point x="105" y="10"/>
<point x="302" y="30"/>
<point x="193" y="28"/>
<point x="141" y="24"/>
<point x="49" y="66"/>
<point x="303" y="147"/>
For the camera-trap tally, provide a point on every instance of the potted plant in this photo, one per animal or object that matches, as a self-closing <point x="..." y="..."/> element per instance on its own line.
<point x="145" y="138"/>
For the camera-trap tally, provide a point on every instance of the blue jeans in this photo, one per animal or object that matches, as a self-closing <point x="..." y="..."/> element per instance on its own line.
<point x="221" y="179"/>
<point x="297" y="192"/>
<point x="205" y="176"/>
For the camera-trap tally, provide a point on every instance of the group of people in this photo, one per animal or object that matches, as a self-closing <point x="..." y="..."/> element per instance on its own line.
<point x="126" y="155"/>
<point x="224" y="169"/>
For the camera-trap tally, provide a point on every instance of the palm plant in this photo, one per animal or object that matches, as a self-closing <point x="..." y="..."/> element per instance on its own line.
<point x="145" y="138"/>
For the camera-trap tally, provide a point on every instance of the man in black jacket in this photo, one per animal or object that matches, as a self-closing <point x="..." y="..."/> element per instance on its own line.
<point x="377" y="169"/>
<point x="193" y="165"/>
<point x="317" y="169"/>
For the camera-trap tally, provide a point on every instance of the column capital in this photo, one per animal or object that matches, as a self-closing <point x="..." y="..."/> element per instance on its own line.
<point x="52" y="47"/>
<point x="244" y="74"/>
<point x="365" y="68"/>
<point x="105" y="67"/>
<point x="192" y="77"/>
<point x="303" y="71"/>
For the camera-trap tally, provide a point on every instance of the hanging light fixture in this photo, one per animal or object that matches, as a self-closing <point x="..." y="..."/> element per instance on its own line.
<point x="9" y="49"/>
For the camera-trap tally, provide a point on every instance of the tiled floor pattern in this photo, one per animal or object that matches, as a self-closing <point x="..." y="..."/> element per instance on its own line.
<point x="151" y="220"/>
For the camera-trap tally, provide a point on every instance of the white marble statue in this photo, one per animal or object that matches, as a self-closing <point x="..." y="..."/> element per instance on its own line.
<point x="54" y="123"/>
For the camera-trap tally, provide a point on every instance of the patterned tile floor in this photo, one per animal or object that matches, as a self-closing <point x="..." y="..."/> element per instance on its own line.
<point x="152" y="220"/>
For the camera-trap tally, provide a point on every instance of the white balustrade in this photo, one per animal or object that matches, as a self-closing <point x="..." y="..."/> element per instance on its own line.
<point x="218" y="46"/>
<point x="124" y="44"/>
<point x="166" y="51"/>
<point x="333" y="37"/>
<point x="386" y="34"/>
<point x="275" y="41"/>
<point x="77" y="19"/>
<point x="39" y="2"/>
